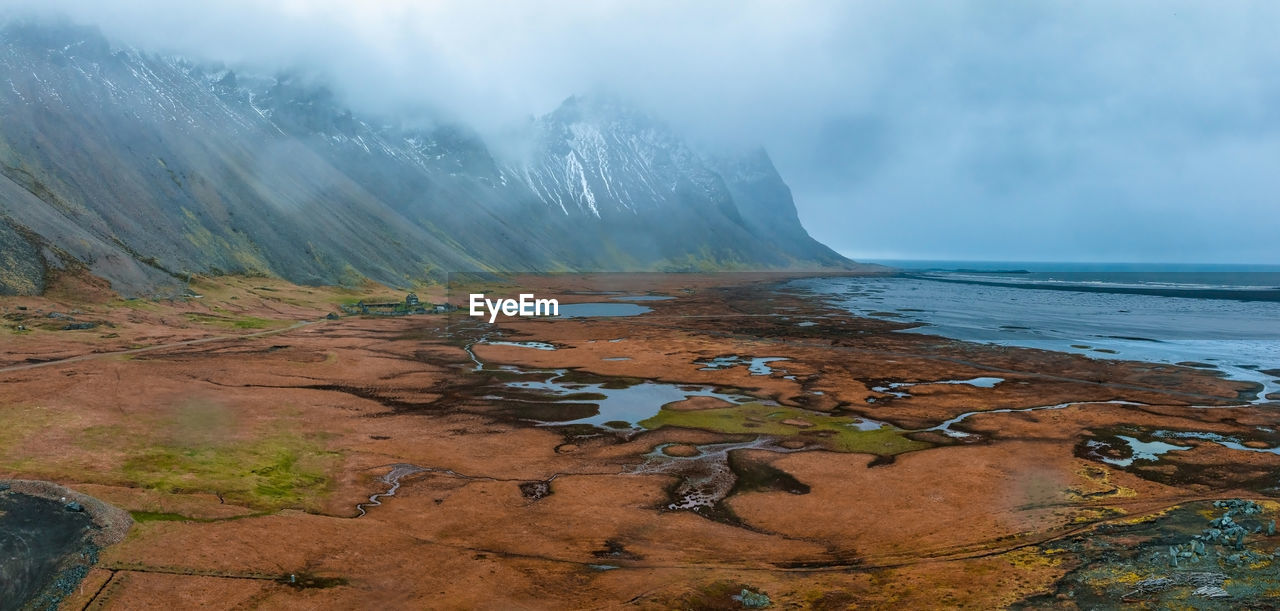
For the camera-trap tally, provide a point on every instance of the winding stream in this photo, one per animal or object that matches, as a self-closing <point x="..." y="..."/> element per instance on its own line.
<point x="392" y="478"/>
<point x="945" y="427"/>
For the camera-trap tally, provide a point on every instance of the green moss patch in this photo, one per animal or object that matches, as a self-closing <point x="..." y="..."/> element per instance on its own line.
<point x="137" y="304"/>
<point x="234" y="322"/>
<point x="160" y="516"/>
<point x="836" y="433"/>
<point x="143" y="517"/>
<point x="277" y="472"/>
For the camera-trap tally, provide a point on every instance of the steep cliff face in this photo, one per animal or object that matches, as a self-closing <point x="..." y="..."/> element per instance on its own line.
<point x="608" y="167"/>
<point x="145" y="168"/>
<point x="767" y="208"/>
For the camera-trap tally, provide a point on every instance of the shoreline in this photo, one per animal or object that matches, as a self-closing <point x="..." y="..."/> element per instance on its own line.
<point x="1259" y="294"/>
<point x="1197" y="349"/>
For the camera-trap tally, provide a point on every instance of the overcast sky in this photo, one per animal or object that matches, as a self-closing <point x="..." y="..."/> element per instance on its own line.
<point x="1059" y="131"/>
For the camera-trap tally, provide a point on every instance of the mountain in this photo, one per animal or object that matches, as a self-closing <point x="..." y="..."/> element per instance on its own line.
<point x="143" y="169"/>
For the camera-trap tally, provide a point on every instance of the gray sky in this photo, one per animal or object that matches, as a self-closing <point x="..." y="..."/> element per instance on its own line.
<point x="1039" y="130"/>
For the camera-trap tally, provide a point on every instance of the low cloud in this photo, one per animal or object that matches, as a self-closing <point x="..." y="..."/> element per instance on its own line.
<point x="1091" y="130"/>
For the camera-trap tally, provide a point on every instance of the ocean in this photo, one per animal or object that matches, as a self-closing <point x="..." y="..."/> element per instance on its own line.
<point x="1224" y="317"/>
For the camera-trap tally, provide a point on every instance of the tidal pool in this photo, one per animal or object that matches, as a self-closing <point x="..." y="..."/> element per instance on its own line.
<point x="601" y="309"/>
<point x="892" y="388"/>
<point x="630" y="404"/>
<point x="867" y="425"/>
<point x="534" y="345"/>
<point x="757" y="366"/>
<point x="978" y="382"/>
<point x="641" y="298"/>
<point x="1142" y="450"/>
<point x="1230" y="443"/>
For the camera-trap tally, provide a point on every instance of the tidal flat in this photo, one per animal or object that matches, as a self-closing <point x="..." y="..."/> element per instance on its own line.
<point x="440" y="461"/>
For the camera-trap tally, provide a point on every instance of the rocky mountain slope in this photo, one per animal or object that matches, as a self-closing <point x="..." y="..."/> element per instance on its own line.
<point x="144" y="169"/>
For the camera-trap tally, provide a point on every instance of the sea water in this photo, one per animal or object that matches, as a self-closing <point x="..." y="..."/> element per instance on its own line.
<point x="1219" y="316"/>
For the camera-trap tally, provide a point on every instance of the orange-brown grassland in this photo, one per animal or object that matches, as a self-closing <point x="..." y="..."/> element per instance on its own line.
<point x="736" y="445"/>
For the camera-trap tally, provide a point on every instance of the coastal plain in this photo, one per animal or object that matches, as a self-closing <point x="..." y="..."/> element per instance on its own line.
<point x="734" y="443"/>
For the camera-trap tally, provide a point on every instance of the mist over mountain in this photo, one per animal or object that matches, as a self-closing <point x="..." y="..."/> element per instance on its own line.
<point x="144" y="168"/>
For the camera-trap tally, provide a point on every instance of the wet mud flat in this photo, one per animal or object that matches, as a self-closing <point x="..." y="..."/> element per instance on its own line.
<point x="49" y="539"/>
